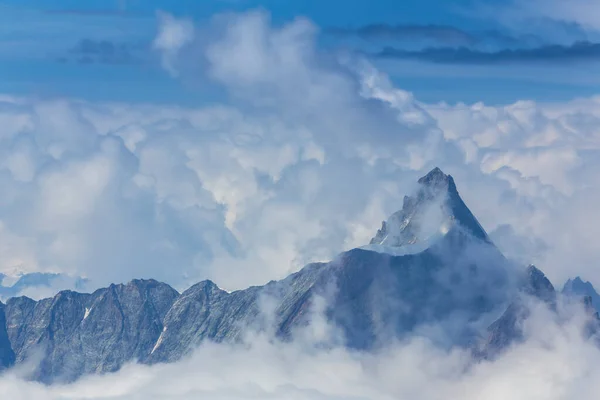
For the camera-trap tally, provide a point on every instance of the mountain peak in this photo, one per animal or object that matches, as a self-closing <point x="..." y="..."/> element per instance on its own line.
<point x="538" y="285"/>
<point x="434" y="176"/>
<point x="581" y="288"/>
<point x="578" y="285"/>
<point x="430" y="213"/>
<point x="579" y="281"/>
<point x="437" y="181"/>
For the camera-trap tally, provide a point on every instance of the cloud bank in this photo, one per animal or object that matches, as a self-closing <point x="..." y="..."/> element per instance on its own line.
<point x="238" y="194"/>
<point x="308" y="158"/>
<point x="555" y="362"/>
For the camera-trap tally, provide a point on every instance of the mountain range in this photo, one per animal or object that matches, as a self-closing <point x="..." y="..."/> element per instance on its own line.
<point x="430" y="270"/>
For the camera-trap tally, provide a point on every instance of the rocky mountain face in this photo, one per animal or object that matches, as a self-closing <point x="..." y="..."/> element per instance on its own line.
<point x="430" y="265"/>
<point x="508" y="329"/>
<point x="73" y="333"/>
<point x="580" y="288"/>
<point x="7" y="355"/>
<point x="436" y="207"/>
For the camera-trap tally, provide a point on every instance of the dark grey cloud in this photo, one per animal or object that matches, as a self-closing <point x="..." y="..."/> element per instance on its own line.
<point x="579" y="51"/>
<point x="442" y="34"/>
<point x="91" y="51"/>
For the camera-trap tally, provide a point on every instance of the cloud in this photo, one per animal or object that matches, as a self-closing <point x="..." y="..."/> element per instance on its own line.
<point x="445" y="35"/>
<point x="545" y="161"/>
<point x="577" y="52"/>
<point x="582" y="12"/>
<point x="311" y="154"/>
<point x="439" y="33"/>
<point x="173" y="35"/>
<point x="523" y="249"/>
<point x="518" y="34"/>
<point x="38" y="286"/>
<point x="251" y="191"/>
<point x="239" y="194"/>
<point x="91" y="51"/>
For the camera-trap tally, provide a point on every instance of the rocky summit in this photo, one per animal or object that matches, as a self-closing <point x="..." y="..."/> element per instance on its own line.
<point x="430" y="265"/>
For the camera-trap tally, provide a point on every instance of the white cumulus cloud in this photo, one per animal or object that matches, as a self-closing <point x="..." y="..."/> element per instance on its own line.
<point x="307" y="158"/>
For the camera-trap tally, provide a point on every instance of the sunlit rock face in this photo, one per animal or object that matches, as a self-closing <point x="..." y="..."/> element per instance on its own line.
<point x="433" y="211"/>
<point x="73" y="333"/>
<point x="430" y="271"/>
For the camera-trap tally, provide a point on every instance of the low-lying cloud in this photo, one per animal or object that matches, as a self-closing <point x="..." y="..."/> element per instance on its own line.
<point x="555" y="362"/>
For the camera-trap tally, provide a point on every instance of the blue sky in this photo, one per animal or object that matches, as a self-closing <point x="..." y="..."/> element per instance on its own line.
<point x="507" y="53"/>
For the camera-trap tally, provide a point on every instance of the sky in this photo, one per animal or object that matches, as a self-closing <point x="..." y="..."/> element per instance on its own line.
<point x="237" y="141"/>
<point x="498" y="51"/>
